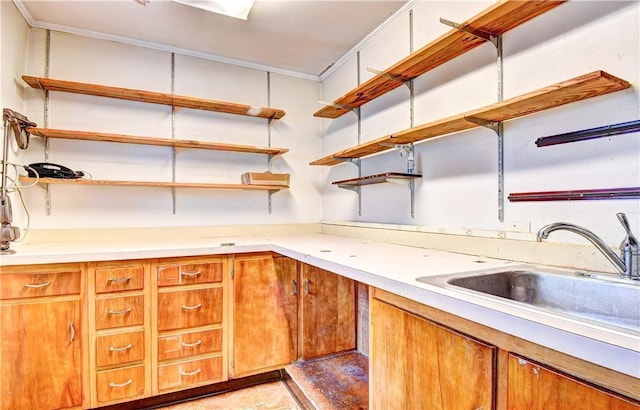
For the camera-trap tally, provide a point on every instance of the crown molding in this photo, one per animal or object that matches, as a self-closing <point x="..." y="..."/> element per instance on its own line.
<point x="213" y="57"/>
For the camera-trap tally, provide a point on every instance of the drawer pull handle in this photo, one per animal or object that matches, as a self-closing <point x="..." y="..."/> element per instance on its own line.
<point x="191" y="274"/>
<point x="128" y="382"/>
<point x="120" y="349"/>
<point x="294" y="287"/>
<point x="193" y="373"/>
<point x="194" y="307"/>
<point x="194" y="344"/>
<point x="72" y="330"/>
<point x="119" y="312"/>
<point x="119" y="280"/>
<point x="37" y="285"/>
<point x="307" y="287"/>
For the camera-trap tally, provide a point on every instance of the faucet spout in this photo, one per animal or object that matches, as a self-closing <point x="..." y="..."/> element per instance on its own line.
<point x="620" y="265"/>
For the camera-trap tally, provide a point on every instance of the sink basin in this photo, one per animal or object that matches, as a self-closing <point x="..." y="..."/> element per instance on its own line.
<point x="609" y="302"/>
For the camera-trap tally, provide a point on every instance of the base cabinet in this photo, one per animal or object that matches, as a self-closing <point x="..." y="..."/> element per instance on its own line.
<point x="421" y="358"/>
<point x="536" y="387"/>
<point x="265" y="313"/>
<point x="328" y="312"/>
<point x="40" y="343"/>
<point x="417" y="364"/>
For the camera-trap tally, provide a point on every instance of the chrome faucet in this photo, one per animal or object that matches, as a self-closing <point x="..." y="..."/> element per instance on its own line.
<point x="629" y="259"/>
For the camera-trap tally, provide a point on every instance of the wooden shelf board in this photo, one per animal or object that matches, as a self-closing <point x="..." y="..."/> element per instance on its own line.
<point x="163" y="142"/>
<point x="152" y="97"/>
<point x="377" y="179"/>
<point x="576" y="89"/>
<point x="497" y="19"/>
<point x="97" y="182"/>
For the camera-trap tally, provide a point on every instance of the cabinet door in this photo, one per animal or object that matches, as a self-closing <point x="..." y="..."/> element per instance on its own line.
<point x="265" y="313"/>
<point x="40" y="355"/>
<point x="416" y="364"/>
<point x="328" y="312"/>
<point x="532" y="386"/>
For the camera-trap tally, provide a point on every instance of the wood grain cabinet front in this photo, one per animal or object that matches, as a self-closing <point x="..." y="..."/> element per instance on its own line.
<point x="189" y="308"/>
<point x="533" y="386"/>
<point x="41" y="328"/>
<point x="120" y="354"/>
<point x="193" y="372"/>
<point x="119" y="311"/>
<point x="120" y="384"/>
<point x="175" y="346"/>
<point x="174" y="272"/>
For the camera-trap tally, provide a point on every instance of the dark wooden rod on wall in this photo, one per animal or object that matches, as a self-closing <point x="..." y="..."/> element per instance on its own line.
<point x="577" y="195"/>
<point x="591" y="133"/>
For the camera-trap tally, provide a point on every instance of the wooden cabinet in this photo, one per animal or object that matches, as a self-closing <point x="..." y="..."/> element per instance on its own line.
<point x="417" y="364"/>
<point x="41" y="343"/>
<point x="284" y="310"/>
<point x="119" y="334"/>
<point x="189" y="334"/>
<point x="421" y="358"/>
<point x="533" y="386"/>
<point x="265" y="313"/>
<point x="328" y="312"/>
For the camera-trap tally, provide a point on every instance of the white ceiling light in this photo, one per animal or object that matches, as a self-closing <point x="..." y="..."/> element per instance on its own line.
<point x="233" y="8"/>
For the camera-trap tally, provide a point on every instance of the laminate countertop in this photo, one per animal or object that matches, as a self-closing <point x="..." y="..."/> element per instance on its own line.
<point x="393" y="268"/>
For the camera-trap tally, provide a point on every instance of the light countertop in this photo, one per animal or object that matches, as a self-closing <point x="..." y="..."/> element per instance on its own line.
<point x="390" y="267"/>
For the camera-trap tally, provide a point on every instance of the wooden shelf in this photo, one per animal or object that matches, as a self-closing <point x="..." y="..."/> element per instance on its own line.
<point x="151" y="97"/>
<point x="163" y="142"/>
<point x="376" y="179"/>
<point x="580" y="88"/>
<point x="497" y="19"/>
<point x="97" y="182"/>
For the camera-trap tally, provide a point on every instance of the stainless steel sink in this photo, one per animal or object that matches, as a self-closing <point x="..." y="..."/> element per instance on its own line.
<point x="610" y="302"/>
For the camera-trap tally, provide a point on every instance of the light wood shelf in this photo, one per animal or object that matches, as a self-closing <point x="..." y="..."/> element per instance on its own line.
<point x="576" y="89"/>
<point x="163" y="142"/>
<point x="152" y="97"/>
<point x="376" y="179"/>
<point x="98" y="182"/>
<point x="497" y="19"/>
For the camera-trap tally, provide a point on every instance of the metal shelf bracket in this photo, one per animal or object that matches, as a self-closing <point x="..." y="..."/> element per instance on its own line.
<point x="396" y="78"/>
<point x="339" y="106"/>
<point x="485" y="35"/>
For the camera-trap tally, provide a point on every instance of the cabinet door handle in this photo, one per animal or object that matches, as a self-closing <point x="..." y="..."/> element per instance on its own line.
<point x="307" y="289"/>
<point x="294" y="287"/>
<point x="120" y="349"/>
<point x="128" y="382"/>
<point x="190" y="274"/>
<point x="193" y="373"/>
<point x="119" y="312"/>
<point x="72" y="330"/>
<point x="119" y="280"/>
<point x="37" y="285"/>
<point x="194" y="307"/>
<point x="194" y="344"/>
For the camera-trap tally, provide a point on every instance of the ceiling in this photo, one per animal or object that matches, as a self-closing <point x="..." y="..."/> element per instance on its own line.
<point x="300" y="37"/>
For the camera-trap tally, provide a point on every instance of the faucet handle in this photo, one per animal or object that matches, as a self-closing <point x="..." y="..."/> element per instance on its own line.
<point x="631" y="239"/>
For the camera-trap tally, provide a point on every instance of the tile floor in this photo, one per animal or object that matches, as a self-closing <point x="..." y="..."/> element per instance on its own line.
<point x="268" y="396"/>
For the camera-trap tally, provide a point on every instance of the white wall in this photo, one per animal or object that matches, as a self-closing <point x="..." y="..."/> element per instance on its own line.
<point x="84" y="59"/>
<point x="459" y="186"/>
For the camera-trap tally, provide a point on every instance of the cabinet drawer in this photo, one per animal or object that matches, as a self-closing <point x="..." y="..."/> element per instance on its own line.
<point x="189" y="344"/>
<point x="197" y="307"/>
<point x="188" y="373"/>
<point x="120" y="383"/>
<point x="118" y="312"/>
<point x="28" y="285"/>
<point x="116" y="279"/>
<point x="172" y="274"/>
<point x="120" y="348"/>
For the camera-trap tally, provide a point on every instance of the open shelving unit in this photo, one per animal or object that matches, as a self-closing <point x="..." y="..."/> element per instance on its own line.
<point x="493" y="21"/>
<point x="376" y="179"/>
<point x="162" y="142"/>
<point x="176" y="101"/>
<point x="98" y="182"/>
<point x="576" y="89"/>
<point x="48" y="84"/>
